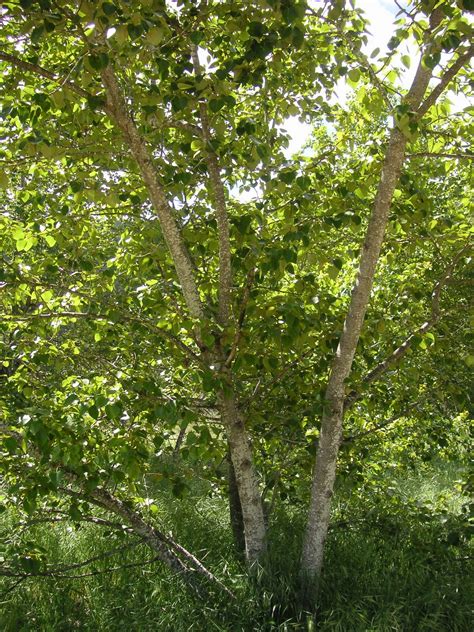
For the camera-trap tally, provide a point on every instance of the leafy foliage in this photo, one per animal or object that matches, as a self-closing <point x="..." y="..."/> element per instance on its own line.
<point x="108" y="378"/>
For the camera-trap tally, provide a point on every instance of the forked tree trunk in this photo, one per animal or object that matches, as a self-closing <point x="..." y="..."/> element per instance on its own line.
<point x="331" y="429"/>
<point x="239" y="446"/>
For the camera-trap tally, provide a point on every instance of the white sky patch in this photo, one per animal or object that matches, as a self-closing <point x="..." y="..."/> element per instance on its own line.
<point x="252" y="195"/>
<point x="381" y="15"/>
<point x="298" y="132"/>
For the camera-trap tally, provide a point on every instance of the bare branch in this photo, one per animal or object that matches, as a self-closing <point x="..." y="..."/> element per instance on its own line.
<point x="60" y="575"/>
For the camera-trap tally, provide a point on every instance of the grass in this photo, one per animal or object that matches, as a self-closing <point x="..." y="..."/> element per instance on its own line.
<point x="389" y="567"/>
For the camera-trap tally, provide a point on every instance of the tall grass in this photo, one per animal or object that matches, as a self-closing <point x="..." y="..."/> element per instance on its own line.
<point x="389" y="567"/>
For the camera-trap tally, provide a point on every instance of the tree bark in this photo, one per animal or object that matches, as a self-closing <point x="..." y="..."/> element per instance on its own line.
<point x="220" y="206"/>
<point x="235" y="509"/>
<point x="117" y="109"/>
<point x="245" y="476"/>
<point x="245" y="504"/>
<point x="331" y="427"/>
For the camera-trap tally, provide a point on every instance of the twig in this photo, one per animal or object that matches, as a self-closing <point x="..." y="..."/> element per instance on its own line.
<point x="88" y="315"/>
<point x="47" y="74"/>
<point x="429" y="154"/>
<point x="381" y="426"/>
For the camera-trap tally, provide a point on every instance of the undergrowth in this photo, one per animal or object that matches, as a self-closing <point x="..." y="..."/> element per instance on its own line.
<point x="392" y="564"/>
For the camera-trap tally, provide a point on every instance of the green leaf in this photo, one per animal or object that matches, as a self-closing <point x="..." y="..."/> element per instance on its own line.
<point x="109" y="8"/>
<point x="354" y="75"/>
<point x="50" y="240"/>
<point x="197" y="37"/>
<point x="178" y="103"/>
<point x="4" y="180"/>
<point x="155" y="35"/>
<point x="256" y="29"/>
<point x="98" y="61"/>
<point x="216" y="104"/>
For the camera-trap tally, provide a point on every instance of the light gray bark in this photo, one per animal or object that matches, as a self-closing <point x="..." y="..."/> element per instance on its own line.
<point x="165" y="547"/>
<point x="240" y="450"/>
<point x="169" y="552"/>
<point x="237" y="436"/>
<point x="398" y="353"/>
<point x="245" y="475"/>
<point x="117" y="108"/>
<point x="331" y="427"/>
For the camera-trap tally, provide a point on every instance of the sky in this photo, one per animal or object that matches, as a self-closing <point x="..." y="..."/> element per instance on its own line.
<point x="381" y="14"/>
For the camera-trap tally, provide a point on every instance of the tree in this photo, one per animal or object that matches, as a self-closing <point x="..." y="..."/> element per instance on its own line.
<point x="144" y="299"/>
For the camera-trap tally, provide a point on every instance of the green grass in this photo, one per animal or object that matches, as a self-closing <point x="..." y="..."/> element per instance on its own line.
<point x="389" y="567"/>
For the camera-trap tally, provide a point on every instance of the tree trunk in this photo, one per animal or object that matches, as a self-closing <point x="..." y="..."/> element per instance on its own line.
<point x="235" y="509"/>
<point x="245" y="476"/>
<point x="331" y="428"/>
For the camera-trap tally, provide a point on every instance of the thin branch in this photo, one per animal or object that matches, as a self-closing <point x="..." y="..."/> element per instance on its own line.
<point x="179" y="441"/>
<point x="58" y="575"/>
<point x="218" y="193"/>
<point x="65" y="517"/>
<point x="429" y="154"/>
<point x="195" y="130"/>
<point x="164" y="333"/>
<point x="12" y="587"/>
<point x="59" y="570"/>
<point x="448" y="75"/>
<point x="381" y="426"/>
<point x="241" y="319"/>
<point x="400" y="351"/>
<point x="278" y="377"/>
<point x="46" y="74"/>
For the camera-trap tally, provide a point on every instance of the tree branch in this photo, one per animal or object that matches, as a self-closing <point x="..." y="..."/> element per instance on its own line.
<point x="429" y="154"/>
<point x="119" y="112"/>
<point x="218" y="193"/>
<point x="46" y="74"/>
<point x="448" y="75"/>
<point x="400" y="351"/>
<point x="240" y="320"/>
<point x="58" y="575"/>
<point x="89" y="316"/>
<point x="381" y="426"/>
